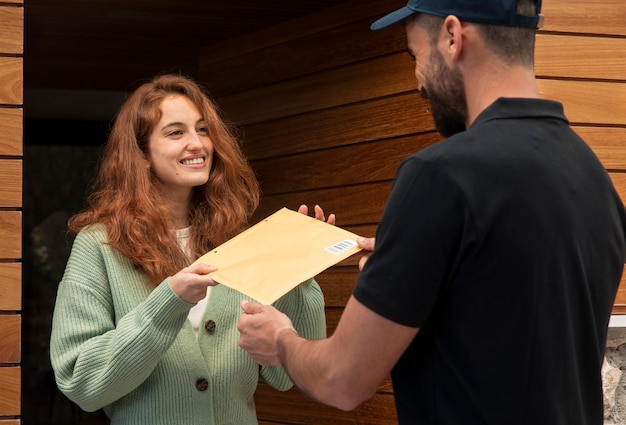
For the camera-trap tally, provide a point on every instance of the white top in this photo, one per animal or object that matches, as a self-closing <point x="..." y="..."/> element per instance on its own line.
<point x="195" y="314"/>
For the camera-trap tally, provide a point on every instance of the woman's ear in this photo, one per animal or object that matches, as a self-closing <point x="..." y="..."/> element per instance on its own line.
<point x="146" y="161"/>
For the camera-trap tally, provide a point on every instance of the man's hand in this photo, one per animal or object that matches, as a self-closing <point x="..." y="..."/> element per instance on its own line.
<point x="367" y="244"/>
<point x="260" y="328"/>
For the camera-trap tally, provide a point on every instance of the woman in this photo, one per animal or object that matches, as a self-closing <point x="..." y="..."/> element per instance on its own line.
<point x="136" y="332"/>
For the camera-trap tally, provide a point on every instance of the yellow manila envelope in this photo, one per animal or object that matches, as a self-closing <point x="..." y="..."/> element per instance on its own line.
<point x="275" y="255"/>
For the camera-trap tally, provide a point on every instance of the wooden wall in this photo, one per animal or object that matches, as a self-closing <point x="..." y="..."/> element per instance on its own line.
<point x="328" y="109"/>
<point x="11" y="85"/>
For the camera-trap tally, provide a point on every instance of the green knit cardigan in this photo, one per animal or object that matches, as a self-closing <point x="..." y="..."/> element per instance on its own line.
<point x="119" y="345"/>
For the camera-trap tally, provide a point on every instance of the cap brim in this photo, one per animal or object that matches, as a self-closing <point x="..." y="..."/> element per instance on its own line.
<point x="393" y="18"/>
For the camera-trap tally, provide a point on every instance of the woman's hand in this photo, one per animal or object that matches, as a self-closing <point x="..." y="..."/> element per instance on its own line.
<point x="191" y="283"/>
<point x="319" y="213"/>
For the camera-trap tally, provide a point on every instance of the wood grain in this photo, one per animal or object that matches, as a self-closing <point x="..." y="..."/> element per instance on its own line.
<point x="10" y="333"/>
<point x="12" y="30"/>
<point x="11" y="178"/>
<point x="10" y="286"/>
<point x="11" y="129"/>
<point x="293" y="407"/>
<point x="10" y="235"/>
<point x="579" y="57"/>
<point x="603" y="17"/>
<point x="10" y="391"/>
<point x="11" y="88"/>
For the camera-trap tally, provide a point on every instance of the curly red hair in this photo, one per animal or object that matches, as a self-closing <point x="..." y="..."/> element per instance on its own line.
<point x="125" y="199"/>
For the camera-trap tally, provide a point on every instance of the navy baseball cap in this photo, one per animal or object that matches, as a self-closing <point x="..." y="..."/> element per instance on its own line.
<point x="495" y="12"/>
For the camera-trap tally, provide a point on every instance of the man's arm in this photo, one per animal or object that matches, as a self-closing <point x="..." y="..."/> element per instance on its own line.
<point x="343" y="370"/>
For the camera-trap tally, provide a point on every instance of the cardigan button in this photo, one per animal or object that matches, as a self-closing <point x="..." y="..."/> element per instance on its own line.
<point x="209" y="325"/>
<point x="202" y="384"/>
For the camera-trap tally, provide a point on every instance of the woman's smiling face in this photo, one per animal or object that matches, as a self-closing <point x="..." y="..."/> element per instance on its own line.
<point x="180" y="152"/>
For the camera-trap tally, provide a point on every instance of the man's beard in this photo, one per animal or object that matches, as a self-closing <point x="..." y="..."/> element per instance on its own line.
<point x="446" y="93"/>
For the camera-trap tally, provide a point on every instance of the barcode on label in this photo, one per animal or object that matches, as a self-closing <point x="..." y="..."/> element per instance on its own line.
<point x="340" y="247"/>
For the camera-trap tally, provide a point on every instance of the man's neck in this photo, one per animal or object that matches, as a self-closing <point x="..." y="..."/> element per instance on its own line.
<point x="485" y="84"/>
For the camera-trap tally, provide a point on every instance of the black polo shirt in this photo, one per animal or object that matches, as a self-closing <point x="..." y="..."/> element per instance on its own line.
<point x="505" y="245"/>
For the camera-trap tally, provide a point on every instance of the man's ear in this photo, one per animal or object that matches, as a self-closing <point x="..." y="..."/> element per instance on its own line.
<point x="452" y="37"/>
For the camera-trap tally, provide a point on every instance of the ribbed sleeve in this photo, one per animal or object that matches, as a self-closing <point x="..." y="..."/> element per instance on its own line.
<point x="101" y="351"/>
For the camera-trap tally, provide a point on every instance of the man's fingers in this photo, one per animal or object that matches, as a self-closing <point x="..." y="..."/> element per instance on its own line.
<point x="249" y="307"/>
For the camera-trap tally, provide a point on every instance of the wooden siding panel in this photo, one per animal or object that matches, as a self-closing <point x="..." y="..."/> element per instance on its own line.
<point x="10" y="234"/>
<point x="303" y="56"/>
<point x="359" y="204"/>
<point x="11" y="75"/>
<point x="337" y="284"/>
<point x="281" y="34"/>
<point x="606" y="17"/>
<point x="588" y="102"/>
<point x="11" y="178"/>
<point x="608" y="143"/>
<point x="12" y="30"/>
<point x="619" y="180"/>
<point x="11" y="130"/>
<point x="360" y="122"/>
<point x="10" y="344"/>
<point x="355" y="83"/>
<point x="11" y="96"/>
<point x="293" y="407"/>
<point x="579" y="57"/>
<point x="343" y="166"/>
<point x="10" y="286"/>
<point x="10" y="391"/>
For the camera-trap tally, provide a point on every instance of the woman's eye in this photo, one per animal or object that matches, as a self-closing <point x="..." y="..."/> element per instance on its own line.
<point x="202" y="130"/>
<point x="175" y="133"/>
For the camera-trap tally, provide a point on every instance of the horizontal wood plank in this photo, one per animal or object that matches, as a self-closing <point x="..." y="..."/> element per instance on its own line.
<point x="608" y="143"/>
<point x="619" y="180"/>
<point x="354" y="83"/>
<point x="10" y="286"/>
<point x="360" y="204"/>
<point x="10" y="391"/>
<point x="12" y="30"/>
<point x="325" y="20"/>
<point x="336" y="47"/>
<point x="10" y="235"/>
<point x="293" y="407"/>
<point x="11" y="129"/>
<point x="359" y="122"/>
<point x="588" y="102"/>
<point x="10" y="333"/>
<point x="11" y="75"/>
<point x="585" y="101"/>
<point x="567" y="56"/>
<point x="337" y="284"/>
<point x="581" y="16"/>
<point x="11" y="178"/>
<point x="343" y="166"/>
